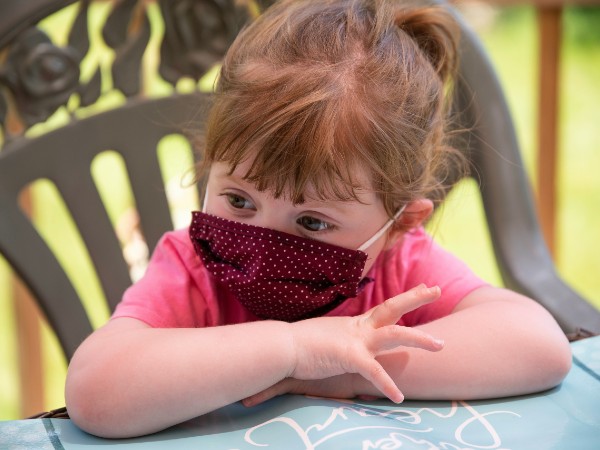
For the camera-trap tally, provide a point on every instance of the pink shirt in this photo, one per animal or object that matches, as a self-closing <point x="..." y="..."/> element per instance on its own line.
<point x="178" y="291"/>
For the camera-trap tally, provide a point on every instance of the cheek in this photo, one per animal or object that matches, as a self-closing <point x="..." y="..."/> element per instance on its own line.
<point x="373" y="253"/>
<point x="217" y="206"/>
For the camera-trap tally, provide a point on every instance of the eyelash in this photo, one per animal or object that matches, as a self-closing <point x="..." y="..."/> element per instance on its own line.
<point x="328" y="226"/>
<point x="231" y="196"/>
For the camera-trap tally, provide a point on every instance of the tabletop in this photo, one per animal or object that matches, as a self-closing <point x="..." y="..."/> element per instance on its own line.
<point x="566" y="417"/>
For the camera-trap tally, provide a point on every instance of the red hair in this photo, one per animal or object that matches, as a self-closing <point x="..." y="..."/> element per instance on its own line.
<point x="313" y="89"/>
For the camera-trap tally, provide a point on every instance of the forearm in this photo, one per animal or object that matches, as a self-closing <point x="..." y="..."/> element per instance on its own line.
<point x="153" y="378"/>
<point x="128" y="379"/>
<point x="492" y="349"/>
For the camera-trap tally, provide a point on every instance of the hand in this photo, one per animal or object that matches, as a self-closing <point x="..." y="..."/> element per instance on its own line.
<point x="330" y="346"/>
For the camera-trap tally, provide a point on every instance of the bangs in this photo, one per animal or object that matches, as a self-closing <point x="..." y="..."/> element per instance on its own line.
<point x="299" y="133"/>
<point x="328" y="99"/>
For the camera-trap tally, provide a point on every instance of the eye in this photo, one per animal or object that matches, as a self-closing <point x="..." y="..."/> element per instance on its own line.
<point x="313" y="224"/>
<point x="239" y="202"/>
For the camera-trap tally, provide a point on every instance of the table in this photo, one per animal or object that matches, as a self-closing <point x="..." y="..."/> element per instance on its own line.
<point x="566" y="417"/>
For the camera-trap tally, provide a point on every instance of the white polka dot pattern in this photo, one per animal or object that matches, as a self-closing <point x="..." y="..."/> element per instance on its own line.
<point x="277" y="275"/>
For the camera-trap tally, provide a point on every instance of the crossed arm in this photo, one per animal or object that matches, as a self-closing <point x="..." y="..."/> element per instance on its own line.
<point x="129" y="379"/>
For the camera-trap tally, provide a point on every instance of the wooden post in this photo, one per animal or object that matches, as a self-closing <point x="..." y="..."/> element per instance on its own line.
<point x="26" y="312"/>
<point x="28" y="319"/>
<point x="31" y="373"/>
<point x="549" y="20"/>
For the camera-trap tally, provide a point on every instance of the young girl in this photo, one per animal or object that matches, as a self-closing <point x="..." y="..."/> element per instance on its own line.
<point x="308" y="270"/>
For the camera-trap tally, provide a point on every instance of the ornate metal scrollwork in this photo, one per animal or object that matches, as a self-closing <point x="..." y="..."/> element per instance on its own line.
<point x="127" y="32"/>
<point x="37" y="76"/>
<point x="197" y="35"/>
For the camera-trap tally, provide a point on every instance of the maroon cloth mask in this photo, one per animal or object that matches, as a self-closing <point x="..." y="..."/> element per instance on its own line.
<point x="277" y="275"/>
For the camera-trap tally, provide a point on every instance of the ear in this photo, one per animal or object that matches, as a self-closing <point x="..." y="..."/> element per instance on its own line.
<point x="413" y="216"/>
<point x="415" y="213"/>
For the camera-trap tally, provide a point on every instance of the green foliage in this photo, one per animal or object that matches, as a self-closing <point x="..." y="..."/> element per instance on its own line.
<point x="582" y="26"/>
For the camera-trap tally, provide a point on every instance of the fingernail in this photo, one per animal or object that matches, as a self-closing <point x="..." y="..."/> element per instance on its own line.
<point x="438" y="342"/>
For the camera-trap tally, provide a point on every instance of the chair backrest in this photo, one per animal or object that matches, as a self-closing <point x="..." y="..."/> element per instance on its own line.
<point x="39" y="78"/>
<point x="64" y="156"/>
<point x="134" y="128"/>
<point x="519" y="247"/>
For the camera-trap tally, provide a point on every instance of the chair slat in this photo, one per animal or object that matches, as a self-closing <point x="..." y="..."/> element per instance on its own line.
<point x="64" y="156"/>
<point x="84" y="202"/>
<point x="37" y="266"/>
<point x="150" y="196"/>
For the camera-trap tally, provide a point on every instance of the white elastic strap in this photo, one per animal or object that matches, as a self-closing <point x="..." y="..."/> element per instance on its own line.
<point x="205" y="199"/>
<point x="383" y="229"/>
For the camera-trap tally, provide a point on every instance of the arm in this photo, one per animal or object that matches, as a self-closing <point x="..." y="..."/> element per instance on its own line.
<point x="497" y="343"/>
<point x="129" y="379"/>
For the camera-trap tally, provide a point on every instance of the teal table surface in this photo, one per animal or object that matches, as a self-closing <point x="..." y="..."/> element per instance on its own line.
<point x="567" y="417"/>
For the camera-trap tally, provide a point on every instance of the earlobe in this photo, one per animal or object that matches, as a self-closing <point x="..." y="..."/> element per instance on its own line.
<point x="416" y="212"/>
<point x="413" y="216"/>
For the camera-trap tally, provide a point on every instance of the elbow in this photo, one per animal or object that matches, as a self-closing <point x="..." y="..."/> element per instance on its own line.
<point x="561" y="364"/>
<point x="94" y="419"/>
<point x="81" y="405"/>
<point x="92" y="408"/>
<point x="554" y="362"/>
<point x="84" y="415"/>
<point x="546" y="350"/>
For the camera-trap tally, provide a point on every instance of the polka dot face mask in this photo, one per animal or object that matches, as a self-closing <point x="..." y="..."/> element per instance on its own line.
<point x="277" y="275"/>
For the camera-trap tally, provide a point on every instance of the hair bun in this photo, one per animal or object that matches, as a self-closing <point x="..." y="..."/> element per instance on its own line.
<point x="436" y="32"/>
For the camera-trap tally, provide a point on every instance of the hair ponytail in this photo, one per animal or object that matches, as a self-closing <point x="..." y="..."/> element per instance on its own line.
<point x="436" y="33"/>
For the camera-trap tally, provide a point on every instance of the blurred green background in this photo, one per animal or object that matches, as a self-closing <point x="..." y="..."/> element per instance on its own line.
<point x="510" y="36"/>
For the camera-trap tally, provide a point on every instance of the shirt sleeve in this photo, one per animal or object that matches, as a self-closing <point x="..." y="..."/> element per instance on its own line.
<point x="175" y="291"/>
<point x="428" y="263"/>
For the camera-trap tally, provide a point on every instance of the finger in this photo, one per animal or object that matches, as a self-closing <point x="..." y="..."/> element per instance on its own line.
<point x="277" y="389"/>
<point x="393" y="309"/>
<point x="376" y="374"/>
<point x="392" y="336"/>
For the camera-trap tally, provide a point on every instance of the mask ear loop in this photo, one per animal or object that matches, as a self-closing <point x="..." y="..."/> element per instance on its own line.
<point x="383" y="229"/>
<point x="205" y="201"/>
